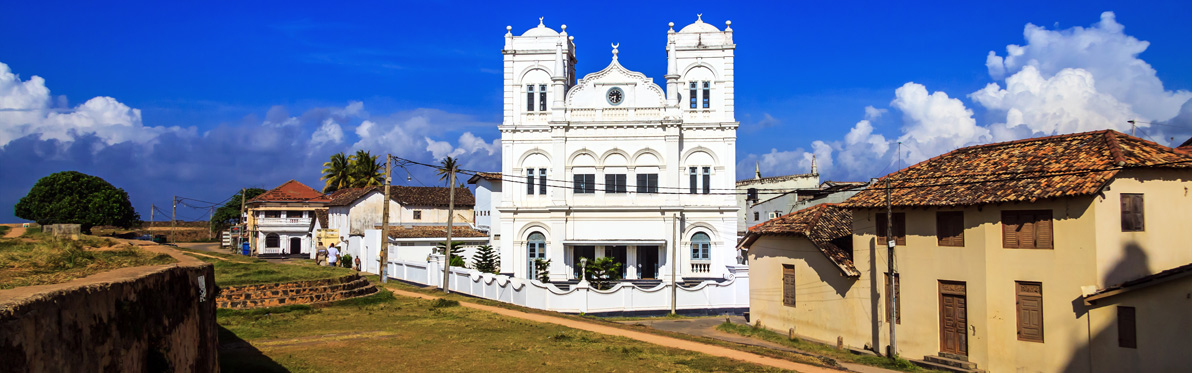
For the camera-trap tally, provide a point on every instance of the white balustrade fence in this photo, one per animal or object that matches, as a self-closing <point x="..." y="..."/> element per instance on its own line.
<point x="732" y="294"/>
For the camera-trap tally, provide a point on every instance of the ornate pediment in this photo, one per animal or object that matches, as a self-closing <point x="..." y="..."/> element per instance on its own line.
<point x="615" y="87"/>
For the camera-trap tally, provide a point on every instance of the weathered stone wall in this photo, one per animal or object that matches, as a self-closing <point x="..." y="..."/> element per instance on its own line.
<point x="62" y="229"/>
<point x="297" y="292"/>
<point x="153" y="318"/>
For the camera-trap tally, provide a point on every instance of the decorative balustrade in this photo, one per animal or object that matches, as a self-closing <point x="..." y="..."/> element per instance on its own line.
<point x="701" y="267"/>
<point x="615" y="114"/>
<point x="284" y="221"/>
<point x="536" y="117"/>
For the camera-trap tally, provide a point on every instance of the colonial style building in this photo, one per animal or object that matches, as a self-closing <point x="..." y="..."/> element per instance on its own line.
<point x="613" y="165"/>
<point x="1059" y="254"/>
<point x="280" y="220"/>
<point x="759" y="189"/>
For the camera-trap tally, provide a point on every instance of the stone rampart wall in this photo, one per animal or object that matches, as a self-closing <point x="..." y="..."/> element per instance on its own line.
<point x="153" y="318"/>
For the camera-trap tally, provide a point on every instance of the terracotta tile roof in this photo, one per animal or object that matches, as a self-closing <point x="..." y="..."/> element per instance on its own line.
<point x="321" y="216"/>
<point x="828" y="226"/>
<point x="490" y="176"/>
<point x="1027" y="170"/>
<point x="433" y="231"/>
<point x="291" y="191"/>
<point x="431" y="196"/>
<point x="346" y="196"/>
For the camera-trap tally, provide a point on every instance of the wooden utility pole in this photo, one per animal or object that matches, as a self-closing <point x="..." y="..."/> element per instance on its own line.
<point x="892" y="318"/>
<point x="385" y="223"/>
<point x="152" y="209"/>
<point x="173" y="218"/>
<point x="450" y="228"/>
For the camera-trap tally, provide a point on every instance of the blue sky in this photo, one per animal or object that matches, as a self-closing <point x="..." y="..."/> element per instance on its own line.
<point x="199" y="100"/>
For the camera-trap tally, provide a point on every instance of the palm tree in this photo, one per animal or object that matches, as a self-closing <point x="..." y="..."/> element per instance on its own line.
<point x="337" y="173"/>
<point x="366" y="171"/>
<point x="447" y="166"/>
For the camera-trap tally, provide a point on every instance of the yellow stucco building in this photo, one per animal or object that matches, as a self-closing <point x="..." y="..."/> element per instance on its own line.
<point x="1059" y="254"/>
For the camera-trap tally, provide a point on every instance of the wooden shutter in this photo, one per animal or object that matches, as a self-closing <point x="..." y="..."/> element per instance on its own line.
<point x="1010" y="229"/>
<point x="1026" y="230"/>
<point x="1030" y="310"/>
<point x="949" y="228"/>
<point x="1127" y="332"/>
<point x="880" y="221"/>
<point x="1132" y="216"/>
<point x="788" y="285"/>
<point x="1043" y="230"/>
<point x="900" y="229"/>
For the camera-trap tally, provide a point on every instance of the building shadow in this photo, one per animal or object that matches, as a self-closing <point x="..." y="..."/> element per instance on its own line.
<point x="1132" y="265"/>
<point x="237" y="355"/>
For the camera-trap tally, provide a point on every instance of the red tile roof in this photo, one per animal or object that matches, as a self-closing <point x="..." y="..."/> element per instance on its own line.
<point x="291" y="191"/>
<point x="346" y="196"/>
<point x="1078" y="164"/>
<point x="435" y="231"/>
<point x="828" y="226"/>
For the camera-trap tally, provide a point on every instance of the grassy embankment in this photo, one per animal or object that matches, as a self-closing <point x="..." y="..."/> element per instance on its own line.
<point x="36" y="258"/>
<point x="817" y="348"/>
<point x="233" y="270"/>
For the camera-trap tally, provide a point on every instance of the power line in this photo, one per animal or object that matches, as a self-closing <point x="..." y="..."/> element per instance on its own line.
<point x="1010" y="176"/>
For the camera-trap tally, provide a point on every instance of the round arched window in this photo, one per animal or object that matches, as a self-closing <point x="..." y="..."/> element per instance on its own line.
<point x="272" y="240"/>
<point x="535" y="249"/>
<point x="701" y="246"/>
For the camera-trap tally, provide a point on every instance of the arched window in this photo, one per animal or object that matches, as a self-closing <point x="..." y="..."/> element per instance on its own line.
<point x="701" y="246"/>
<point x="536" y="248"/>
<point x="272" y="240"/>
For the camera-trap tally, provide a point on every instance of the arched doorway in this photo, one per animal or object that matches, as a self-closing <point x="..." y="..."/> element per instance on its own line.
<point x="295" y="245"/>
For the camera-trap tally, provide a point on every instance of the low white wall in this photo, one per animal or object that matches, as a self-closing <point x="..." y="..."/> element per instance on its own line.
<point x="624" y="297"/>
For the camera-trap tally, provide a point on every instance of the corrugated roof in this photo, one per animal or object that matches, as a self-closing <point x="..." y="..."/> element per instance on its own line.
<point x="490" y="176"/>
<point x="434" y="231"/>
<point x="408" y="196"/>
<point x="824" y="225"/>
<point x="1027" y="170"/>
<point x="291" y="191"/>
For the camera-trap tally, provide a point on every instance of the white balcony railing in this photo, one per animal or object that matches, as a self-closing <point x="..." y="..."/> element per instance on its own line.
<point x="284" y="221"/>
<point x="615" y="114"/>
<point x="701" y="267"/>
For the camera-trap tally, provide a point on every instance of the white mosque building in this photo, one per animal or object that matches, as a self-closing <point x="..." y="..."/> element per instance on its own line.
<point x="613" y="165"/>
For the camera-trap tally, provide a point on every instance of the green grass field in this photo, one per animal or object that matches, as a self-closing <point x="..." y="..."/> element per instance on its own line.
<point x="382" y="332"/>
<point x="37" y="259"/>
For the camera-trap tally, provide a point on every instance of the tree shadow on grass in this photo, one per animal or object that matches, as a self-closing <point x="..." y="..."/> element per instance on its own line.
<point x="237" y="355"/>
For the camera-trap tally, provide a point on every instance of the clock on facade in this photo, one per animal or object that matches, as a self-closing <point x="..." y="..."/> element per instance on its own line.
<point x="615" y="95"/>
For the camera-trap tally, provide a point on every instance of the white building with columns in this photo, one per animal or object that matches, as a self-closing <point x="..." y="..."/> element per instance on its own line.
<point x="614" y="165"/>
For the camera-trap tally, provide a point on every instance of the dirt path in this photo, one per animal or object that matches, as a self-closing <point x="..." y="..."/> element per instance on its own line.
<point x="14" y="232"/>
<point x="644" y="337"/>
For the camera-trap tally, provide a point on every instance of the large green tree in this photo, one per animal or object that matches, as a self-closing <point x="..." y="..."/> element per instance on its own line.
<point x="71" y="197"/>
<point x="337" y="173"/>
<point x="366" y="171"/>
<point x="229" y="214"/>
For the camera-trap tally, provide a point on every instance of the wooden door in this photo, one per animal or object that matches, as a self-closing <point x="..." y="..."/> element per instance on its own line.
<point x="953" y="318"/>
<point x="647" y="262"/>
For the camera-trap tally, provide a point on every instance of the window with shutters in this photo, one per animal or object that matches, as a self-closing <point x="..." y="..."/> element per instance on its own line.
<point x="694" y="180"/>
<point x="1027" y="229"/>
<point x="542" y="97"/>
<point x="530" y="97"/>
<point x="529" y="181"/>
<point x="949" y="228"/>
<point x="615" y="183"/>
<point x="899" y="229"/>
<point x="788" y="285"/>
<point x="647" y="183"/>
<point x="1127" y="333"/>
<point x="756" y="216"/>
<point x="584" y="184"/>
<point x="894" y="295"/>
<point x="542" y="181"/>
<point x="1030" y="310"/>
<point x="417" y="215"/>
<point x="1132" y="219"/>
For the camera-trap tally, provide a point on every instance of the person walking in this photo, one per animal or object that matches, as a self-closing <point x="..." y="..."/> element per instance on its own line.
<point x="333" y="255"/>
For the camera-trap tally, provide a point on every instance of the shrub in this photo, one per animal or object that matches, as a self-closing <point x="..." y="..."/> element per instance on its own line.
<point x="486" y="260"/>
<point x="602" y="273"/>
<point x="345" y="261"/>
<point x="542" y="270"/>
